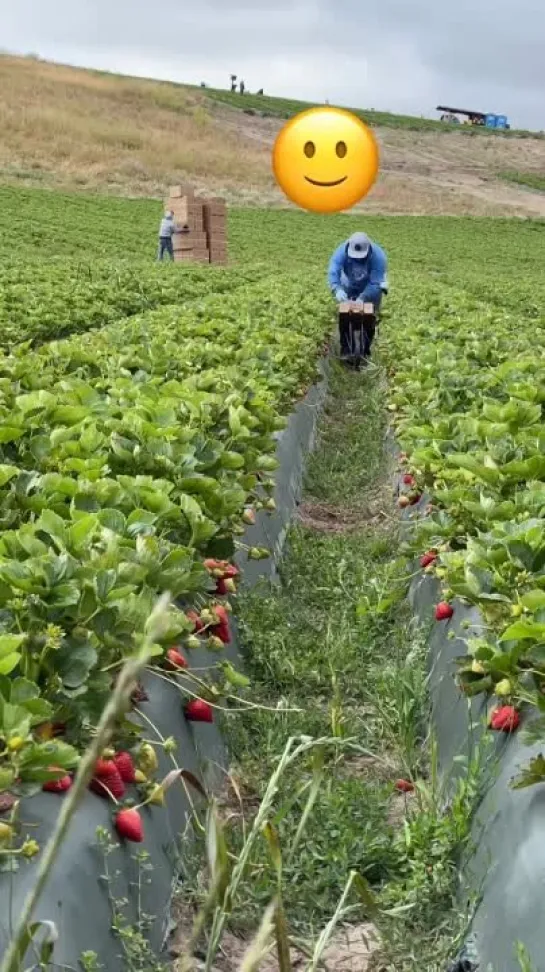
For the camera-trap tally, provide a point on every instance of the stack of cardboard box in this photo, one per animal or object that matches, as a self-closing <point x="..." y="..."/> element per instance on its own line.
<point x="215" y="225"/>
<point x="203" y="227"/>
<point x="190" y="244"/>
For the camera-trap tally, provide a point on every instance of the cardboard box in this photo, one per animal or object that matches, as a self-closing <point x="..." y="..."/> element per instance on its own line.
<point x="216" y="207"/>
<point x="214" y="219"/>
<point x="181" y="203"/>
<point x="190" y="224"/>
<point x="205" y="220"/>
<point x="218" y="236"/>
<point x="217" y="248"/>
<point x="190" y="256"/>
<point x="176" y="192"/>
<point x="216" y="231"/>
<point x="189" y="241"/>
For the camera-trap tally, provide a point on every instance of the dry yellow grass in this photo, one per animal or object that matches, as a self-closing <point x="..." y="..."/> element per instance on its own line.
<point x="73" y="128"/>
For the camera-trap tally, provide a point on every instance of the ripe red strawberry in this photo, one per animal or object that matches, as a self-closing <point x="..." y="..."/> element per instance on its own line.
<point x="408" y="480"/>
<point x="427" y="559"/>
<point x="223" y="633"/>
<point x="221" y="630"/>
<point x="221" y="613"/>
<point x="107" y="780"/>
<point x="128" y="824"/>
<point x="197" y="710"/>
<point x="176" y="659"/>
<point x="404" y="786"/>
<point x="504" y="719"/>
<point x="57" y="786"/>
<point x="194" y="617"/>
<point x="125" y="766"/>
<point x="443" y="611"/>
<point x="223" y="571"/>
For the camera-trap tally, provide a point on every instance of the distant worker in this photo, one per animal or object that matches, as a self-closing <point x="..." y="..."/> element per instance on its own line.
<point x="166" y="232"/>
<point x="242" y="87"/>
<point x="357" y="273"/>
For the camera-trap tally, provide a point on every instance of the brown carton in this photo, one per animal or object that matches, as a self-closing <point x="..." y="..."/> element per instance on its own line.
<point x="191" y="256"/>
<point x="218" y="236"/>
<point x="189" y="241"/>
<point x="187" y="211"/>
<point x="176" y="192"/>
<point x="215" y="207"/>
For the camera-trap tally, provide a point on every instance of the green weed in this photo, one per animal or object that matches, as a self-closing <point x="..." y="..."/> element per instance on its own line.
<point x="533" y="180"/>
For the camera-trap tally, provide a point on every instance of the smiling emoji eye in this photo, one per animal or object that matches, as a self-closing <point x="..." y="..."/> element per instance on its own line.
<point x="341" y="149"/>
<point x="309" y="149"/>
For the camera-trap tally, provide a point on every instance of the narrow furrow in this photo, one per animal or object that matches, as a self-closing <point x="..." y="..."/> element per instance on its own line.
<point x="336" y="648"/>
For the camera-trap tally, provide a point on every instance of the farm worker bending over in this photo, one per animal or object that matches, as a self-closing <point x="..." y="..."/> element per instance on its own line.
<point x="166" y="230"/>
<point x="358" y="272"/>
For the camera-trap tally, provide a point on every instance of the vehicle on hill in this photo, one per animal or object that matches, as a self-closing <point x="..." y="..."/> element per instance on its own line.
<point x="488" y="120"/>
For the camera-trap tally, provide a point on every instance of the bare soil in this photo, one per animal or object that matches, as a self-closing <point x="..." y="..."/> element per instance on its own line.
<point x="429" y="172"/>
<point x="350" y="949"/>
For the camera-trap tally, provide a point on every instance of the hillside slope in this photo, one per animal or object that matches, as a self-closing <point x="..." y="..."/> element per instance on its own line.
<point x="73" y="128"/>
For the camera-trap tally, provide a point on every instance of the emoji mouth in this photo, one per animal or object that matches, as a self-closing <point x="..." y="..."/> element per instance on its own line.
<point x="326" y="185"/>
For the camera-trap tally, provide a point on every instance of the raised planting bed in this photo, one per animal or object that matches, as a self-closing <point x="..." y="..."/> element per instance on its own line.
<point x="41" y="301"/>
<point x="163" y="453"/>
<point x="467" y="404"/>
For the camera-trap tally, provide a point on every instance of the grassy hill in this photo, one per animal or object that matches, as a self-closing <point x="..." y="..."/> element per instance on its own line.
<point x="76" y="129"/>
<point x="269" y="106"/>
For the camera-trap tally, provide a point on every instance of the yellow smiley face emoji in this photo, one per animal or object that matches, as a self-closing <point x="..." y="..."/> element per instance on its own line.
<point x="325" y="160"/>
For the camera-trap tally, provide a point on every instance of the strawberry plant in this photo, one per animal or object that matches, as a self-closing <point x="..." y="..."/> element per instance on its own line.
<point x="130" y="456"/>
<point x="467" y="387"/>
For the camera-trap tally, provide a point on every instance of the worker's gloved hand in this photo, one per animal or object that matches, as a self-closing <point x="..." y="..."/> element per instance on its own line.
<point x="340" y="295"/>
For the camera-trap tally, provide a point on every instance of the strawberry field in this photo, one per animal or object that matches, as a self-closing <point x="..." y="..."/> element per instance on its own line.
<point x="467" y="399"/>
<point x="139" y="414"/>
<point x="134" y="452"/>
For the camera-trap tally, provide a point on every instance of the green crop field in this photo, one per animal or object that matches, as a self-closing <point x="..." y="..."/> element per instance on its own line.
<point x="231" y="348"/>
<point x="84" y="310"/>
<point x="138" y="414"/>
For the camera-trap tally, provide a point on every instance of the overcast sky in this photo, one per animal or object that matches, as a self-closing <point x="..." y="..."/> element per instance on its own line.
<point x="402" y="55"/>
